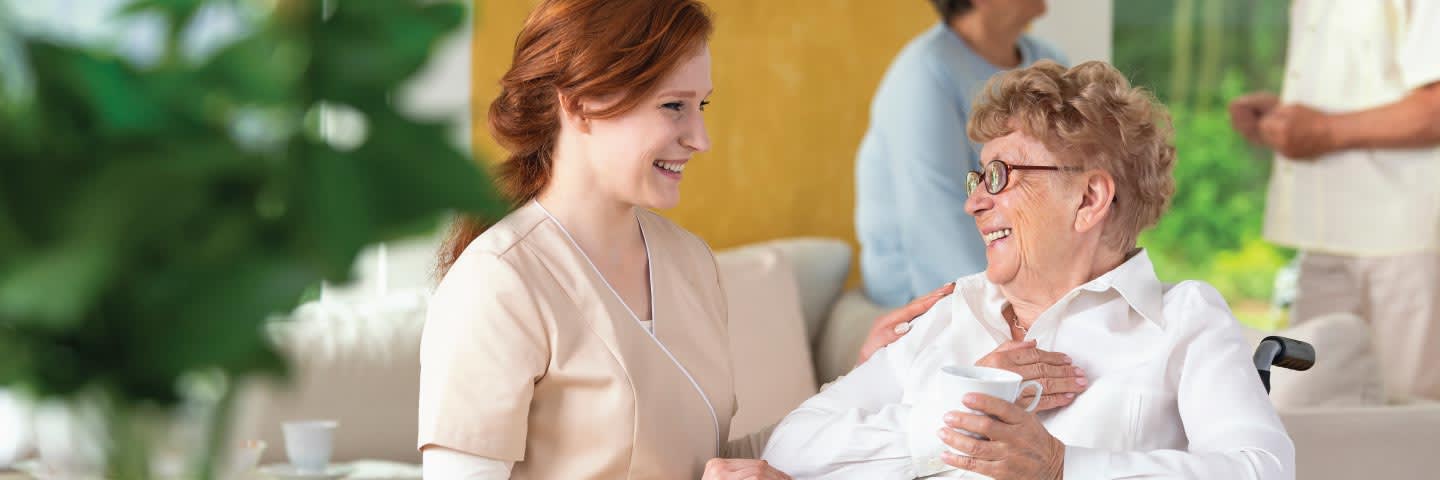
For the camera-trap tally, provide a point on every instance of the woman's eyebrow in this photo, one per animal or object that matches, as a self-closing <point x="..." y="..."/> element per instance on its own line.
<point x="682" y="93"/>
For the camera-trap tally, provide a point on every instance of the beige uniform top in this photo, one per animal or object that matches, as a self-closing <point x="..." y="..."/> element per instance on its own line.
<point x="530" y="356"/>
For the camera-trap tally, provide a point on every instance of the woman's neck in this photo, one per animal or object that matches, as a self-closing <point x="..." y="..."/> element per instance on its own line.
<point x="597" y="224"/>
<point x="997" y="44"/>
<point x="1034" y="290"/>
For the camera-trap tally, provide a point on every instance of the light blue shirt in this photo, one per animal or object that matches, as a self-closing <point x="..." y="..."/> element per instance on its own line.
<point x="910" y="172"/>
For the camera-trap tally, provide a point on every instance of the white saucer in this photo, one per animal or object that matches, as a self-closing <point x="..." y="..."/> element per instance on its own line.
<point x="40" y="471"/>
<point x="285" y="471"/>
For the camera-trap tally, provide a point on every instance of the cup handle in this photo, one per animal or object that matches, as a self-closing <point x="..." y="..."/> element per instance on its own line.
<point x="1039" y="390"/>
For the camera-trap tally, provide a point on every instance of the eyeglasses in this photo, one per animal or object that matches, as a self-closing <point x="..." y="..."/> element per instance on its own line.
<point x="997" y="176"/>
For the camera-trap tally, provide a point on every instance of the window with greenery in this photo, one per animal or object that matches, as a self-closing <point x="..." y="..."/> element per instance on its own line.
<point x="1197" y="55"/>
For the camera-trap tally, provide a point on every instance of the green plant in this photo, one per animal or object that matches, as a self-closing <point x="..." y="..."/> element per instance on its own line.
<point x="153" y="217"/>
<point x="1197" y="55"/>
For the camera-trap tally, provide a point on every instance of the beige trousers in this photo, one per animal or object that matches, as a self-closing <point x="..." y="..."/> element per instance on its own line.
<point x="1399" y="296"/>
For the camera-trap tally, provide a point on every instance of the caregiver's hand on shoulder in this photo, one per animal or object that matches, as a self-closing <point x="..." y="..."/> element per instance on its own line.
<point x="1018" y="445"/>
<point x="741" y="469"/>
<point x="889" y="328"/>
<point x="1062" y="381"/>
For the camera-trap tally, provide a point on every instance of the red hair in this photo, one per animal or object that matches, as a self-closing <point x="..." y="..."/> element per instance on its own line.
<point x="578" y="49"/>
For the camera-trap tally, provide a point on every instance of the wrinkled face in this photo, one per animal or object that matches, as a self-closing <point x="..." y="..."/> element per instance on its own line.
<point x="639" y="156"/>
<point x="1029" y="225"/>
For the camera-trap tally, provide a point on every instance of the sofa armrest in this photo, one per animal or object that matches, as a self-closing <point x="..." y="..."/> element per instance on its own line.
<point x="1365" y="442"/>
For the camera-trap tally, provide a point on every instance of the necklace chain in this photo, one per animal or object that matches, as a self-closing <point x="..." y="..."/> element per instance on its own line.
<point x="1013" y="320"/>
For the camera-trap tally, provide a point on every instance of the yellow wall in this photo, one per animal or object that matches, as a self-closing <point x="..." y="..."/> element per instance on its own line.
<point x="793" y="81"/>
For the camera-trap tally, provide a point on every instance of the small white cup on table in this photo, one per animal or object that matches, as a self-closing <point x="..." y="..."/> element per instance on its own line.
<point x="309" y="444"/>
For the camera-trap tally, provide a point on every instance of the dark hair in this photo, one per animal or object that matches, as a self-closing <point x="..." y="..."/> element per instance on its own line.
<point x="581" y="49"/>
<point x="949" y="9"/>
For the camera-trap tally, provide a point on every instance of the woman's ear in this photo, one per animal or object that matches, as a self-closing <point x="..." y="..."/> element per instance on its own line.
<point x="1096" y="200"/>
<point x="573" y="115"/>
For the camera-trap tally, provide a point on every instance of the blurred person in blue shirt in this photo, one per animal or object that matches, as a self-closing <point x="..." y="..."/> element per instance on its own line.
<point x="910" y="171"/>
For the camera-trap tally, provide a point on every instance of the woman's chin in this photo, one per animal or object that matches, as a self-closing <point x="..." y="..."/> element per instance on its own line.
<point x="1000" y="272"/>
<point x="663" y="200"/>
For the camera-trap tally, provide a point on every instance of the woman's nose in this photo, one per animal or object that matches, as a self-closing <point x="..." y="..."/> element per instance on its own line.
<point x="696" y="138"/>
<point x="978" y="201"/>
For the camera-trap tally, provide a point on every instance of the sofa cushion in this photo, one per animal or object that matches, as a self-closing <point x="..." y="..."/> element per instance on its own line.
<point x="771" y="355"/>
<point x="821" y="266"/>
<point x="843" y="334"/>
<point x="1346" y="372"/>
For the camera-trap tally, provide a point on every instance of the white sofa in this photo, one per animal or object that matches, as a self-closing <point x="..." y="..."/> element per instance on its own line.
<point x="793" y="327"/>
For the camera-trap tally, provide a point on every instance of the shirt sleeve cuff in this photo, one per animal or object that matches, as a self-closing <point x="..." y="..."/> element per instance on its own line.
<point x="1086" y="463"/>
<point x="923" y="420"/>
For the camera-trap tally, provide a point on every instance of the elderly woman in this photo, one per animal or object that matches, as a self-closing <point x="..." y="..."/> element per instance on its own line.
<point x="1076" y="164"/>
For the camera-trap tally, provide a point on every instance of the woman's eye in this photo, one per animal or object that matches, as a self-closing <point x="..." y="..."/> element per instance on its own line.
<point x="676" y="106"/>
<point x="704" y="104"/>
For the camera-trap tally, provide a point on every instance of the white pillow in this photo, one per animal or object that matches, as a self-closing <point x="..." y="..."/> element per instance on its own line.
<point x="819" y="265"/>
<point x="770" y="354"/>
<point x="15" y="438"/>
<point x="1346" y="372"/>
<point x="845" y="332"/>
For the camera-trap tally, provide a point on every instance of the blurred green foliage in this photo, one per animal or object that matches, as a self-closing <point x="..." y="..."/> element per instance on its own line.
<point x="153" y="217"/>
<point x="1197" y="55"/>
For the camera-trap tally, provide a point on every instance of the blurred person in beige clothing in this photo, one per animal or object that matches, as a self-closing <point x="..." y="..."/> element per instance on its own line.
<point x="1356" y="180"/>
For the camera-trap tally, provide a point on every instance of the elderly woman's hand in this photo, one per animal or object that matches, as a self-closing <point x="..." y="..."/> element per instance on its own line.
<point x="1018" y="445"/>
<point x="893" y="325"/>
<point x="1062" y="381"/>
<point x="741" y="469"/>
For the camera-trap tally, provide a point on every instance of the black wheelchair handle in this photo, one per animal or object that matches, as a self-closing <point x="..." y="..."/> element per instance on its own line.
<point x="1282" y="352"/>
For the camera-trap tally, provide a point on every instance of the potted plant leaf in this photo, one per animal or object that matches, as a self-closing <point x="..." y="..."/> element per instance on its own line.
<point x="153" y="215"/>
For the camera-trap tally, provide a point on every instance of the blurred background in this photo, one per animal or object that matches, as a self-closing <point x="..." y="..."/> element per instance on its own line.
<point x="794" y="80"/>
<point x="398" y="108"/>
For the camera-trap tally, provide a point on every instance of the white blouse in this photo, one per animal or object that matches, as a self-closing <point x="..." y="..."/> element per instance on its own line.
<point x="1173" y="391"/>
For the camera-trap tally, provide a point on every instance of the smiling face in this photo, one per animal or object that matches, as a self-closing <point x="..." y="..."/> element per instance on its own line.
<point x="1029" y="225"/>
<point x="639" y="157"/>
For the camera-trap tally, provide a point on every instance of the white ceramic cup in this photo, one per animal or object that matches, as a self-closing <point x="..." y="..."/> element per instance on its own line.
<point x="958" y="380"/>
<point x="246" y="458"/>
<point x="309" y="444"/>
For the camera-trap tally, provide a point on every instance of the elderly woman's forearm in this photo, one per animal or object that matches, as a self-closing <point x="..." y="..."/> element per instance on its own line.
<point x="1258" y="463"/>
<point x="816" y="443"/>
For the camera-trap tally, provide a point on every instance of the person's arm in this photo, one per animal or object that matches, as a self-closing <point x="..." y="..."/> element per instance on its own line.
<point x="1300" y="132"/>
<point x="484" y="346"/>
<point x="890" y="327"/>
<point x="930" y="157"/>
<point x="857" y="427"/>
<point x="1232" y="428"/>
<point x="445" y="463"/>
<point x="1412" y="122"/>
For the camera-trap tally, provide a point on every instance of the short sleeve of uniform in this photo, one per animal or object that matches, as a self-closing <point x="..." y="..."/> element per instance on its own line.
<point x="1419" y="63"/>
<point x="483" y="348"/>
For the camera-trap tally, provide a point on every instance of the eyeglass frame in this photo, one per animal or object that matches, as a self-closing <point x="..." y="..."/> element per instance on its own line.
<point x="979" y="176"/>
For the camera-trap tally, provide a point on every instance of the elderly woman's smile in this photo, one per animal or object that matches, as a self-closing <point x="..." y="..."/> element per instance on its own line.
<point x="996" y="235"/>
